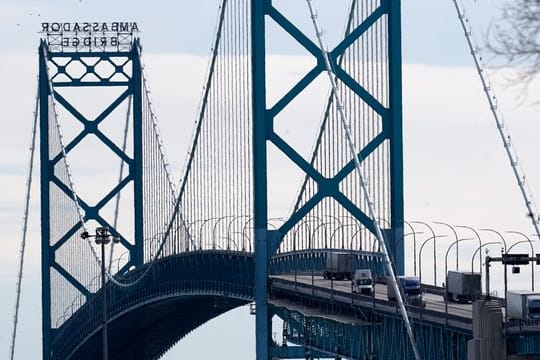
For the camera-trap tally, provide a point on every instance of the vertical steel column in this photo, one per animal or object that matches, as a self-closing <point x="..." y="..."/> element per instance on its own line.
<point x="45" y="175"/>
<point x="396" y="134"/>
<point x="136" y="88"/>
<point x="260" y="203"/>
<point x="105" y="345"/>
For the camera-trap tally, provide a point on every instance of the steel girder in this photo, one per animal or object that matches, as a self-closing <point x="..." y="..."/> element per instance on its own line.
<point x="374" y="336"/>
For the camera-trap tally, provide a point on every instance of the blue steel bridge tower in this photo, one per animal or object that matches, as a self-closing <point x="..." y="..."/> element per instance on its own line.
<point x="67" y="75"/>
<point x="378" y="21"/>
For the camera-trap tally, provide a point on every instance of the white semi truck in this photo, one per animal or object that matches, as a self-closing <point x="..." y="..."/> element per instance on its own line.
<point x="362" y="282"/>
<point x="523" y="305"/>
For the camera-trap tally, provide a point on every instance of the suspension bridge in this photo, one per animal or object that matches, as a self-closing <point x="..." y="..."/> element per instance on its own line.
<point x="183" y="254"/>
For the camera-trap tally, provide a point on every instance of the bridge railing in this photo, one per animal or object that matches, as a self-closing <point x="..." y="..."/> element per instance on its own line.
<point x="312" y="262"/>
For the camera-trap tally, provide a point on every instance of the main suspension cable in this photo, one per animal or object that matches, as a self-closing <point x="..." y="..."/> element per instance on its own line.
<point x="497" y="116"/>
<point x="24" y="227"/>
<point x="355" y="154"/>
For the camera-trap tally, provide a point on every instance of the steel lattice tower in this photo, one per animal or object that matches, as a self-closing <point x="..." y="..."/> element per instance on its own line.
<point x="56" y="192"/>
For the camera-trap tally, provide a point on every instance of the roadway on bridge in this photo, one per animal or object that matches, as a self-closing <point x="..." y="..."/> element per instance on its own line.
<point x="434" y="302"/>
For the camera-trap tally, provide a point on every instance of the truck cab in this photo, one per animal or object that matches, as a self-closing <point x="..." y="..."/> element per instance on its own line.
<point x="362" y="282"/>
<point x="412" y="291"/>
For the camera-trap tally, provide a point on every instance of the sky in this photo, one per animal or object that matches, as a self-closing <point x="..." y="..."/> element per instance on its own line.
<point x="455" y="166"/>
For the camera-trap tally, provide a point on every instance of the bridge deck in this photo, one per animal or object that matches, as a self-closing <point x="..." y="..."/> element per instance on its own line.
<point x="459" y="315"/>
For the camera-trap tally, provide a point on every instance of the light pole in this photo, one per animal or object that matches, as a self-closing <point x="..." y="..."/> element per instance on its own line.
<point x="295" y="253"/>
<point x="232" y="222"/>
<point x="434" y="263"/>
<point x="214" y="230"/>
<point x="434" y="250"/>
<point x="479" y="242"/>
<point x="204" y="221"/>
<point x="102" y="238"/>
<point x="243" y="240"/>
<point x="498" y="234"/>
<point x="456" y="242"/>
<point x="505" y="269"/>
<point x="414" y="243"/>
<point x="532" y="252"/>
<point x="479" y="249"/>
<point x="414" y="237"/>
<point x="446" y="274"/>
<point x="341" y="228"/>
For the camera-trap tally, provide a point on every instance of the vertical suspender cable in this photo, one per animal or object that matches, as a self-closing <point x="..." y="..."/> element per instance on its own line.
<point x="503" y="131"/>
<point x="120" y="176"/>
<point x="25" y="229"/>
<point x="369" y="202"/>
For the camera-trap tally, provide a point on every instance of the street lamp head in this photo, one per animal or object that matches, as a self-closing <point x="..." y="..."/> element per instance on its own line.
<point x="102" y="232"/>
<point x="85" y="235"/>
<point x="103" y="236"/>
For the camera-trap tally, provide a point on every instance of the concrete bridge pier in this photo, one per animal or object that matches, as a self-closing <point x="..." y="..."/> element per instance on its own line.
<point x="488" y="341"/>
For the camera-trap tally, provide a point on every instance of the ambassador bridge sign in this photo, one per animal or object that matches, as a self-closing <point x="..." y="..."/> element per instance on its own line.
<point x="89" y="36"/>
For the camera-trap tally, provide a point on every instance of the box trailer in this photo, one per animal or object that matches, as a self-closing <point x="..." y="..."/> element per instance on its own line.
<point x="463" y="286"/>
<point x="339" y="266"/>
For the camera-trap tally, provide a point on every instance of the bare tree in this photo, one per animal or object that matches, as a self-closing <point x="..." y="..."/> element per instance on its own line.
<point x="516" y="38"/>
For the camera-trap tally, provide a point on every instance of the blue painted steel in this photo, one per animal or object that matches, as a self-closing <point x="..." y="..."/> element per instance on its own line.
<point x="525" y="344"/>
<point x="375" y="337"/>
<point x="374" y="329"/>
<point x="44" y="188"/>
<point x="136" y="88"/>
<point x="260" y="200"/>
<point x="396" y="134"/>
<point x="392" y="132"/>
<point x="263" y="131"/>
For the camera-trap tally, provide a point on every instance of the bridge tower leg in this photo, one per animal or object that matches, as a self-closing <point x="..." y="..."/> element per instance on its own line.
<point x="45" y="213"/>
<point x="396" y="238"/>
<point x="260" y="206"/>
